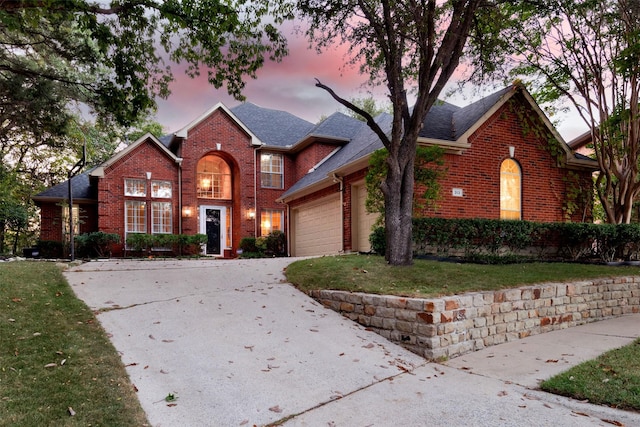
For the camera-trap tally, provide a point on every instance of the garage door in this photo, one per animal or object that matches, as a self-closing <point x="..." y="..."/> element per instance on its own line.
<point x="362" y="220"/>
<point x="317" y="228"/>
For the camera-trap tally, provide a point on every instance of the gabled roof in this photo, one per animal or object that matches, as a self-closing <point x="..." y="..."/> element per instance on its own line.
<point x="273" y="127"/>
<point x="445" y="125"/>
<point x="182" y="133"/>
<point x="351" y="157"/>
<point x="81" y="190"/>
<point x="336" y="129"/>
<point x="99" y="171"/>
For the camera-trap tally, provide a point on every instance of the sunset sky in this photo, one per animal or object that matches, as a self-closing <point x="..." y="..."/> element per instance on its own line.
<point x="290" y="86"/>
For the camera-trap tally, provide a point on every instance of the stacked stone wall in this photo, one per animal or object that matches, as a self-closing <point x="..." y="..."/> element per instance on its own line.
<point x="447" y="327"/>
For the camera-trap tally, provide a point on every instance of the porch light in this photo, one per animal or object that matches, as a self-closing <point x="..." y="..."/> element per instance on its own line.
<point x="512" y="151"/>
<point x="187" y="212"/>
<point x="251" y="214"/>
<point x="148" y="175"/>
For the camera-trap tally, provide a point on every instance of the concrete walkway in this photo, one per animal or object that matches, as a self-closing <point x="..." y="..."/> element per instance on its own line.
<point x="238" y="346"/>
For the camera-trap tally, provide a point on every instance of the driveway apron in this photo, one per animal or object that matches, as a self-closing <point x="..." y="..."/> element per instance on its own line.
<point x="236" y="345"/>
<point x="230" y="340"/>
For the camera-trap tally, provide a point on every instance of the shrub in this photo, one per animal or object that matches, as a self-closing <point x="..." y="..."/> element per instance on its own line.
<point x="96" y="244"/>
<point x="50" y="249"/>
<point x="276" y="243"/>
<point x="378" y="241"/>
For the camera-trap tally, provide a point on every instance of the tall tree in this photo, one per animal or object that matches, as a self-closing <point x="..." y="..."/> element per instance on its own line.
<point x="112" y="56"/>
<point x="586" y="52"/>
<point x="405" y="45"/>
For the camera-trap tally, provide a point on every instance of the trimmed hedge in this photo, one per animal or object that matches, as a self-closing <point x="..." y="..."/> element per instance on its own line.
<point x="178" y="244"/>
<point x="499" y="241"/>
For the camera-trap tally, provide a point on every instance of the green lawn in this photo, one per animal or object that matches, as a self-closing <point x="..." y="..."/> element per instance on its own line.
<point x="612" y="379"/>
<point x="370" y="274"/>
<point x="55" y="359"/>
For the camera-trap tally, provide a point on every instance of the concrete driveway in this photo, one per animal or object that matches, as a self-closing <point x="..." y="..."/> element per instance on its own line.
<point x="230" y="339"/>
<point x="237" y="345"/>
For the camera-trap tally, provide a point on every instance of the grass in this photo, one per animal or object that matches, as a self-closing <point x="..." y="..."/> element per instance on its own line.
<point x="55" y="358"/>
<point x="428" y="279"/>
<point x="612" y="379"/>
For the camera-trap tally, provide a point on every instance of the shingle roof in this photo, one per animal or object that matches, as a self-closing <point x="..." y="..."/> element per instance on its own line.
<point x="337" y="125"/>
<point x="273" y="127"/>
<point x="363" y="143"/>
<point x="80" y="189"/>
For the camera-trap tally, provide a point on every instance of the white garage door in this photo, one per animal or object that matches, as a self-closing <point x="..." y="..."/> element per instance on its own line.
<point x="317" y="227"/>
<point x="362" y="220"/>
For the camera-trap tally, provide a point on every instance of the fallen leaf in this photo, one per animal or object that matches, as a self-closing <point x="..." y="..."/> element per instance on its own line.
<point x="370" y="345"/>
<point x="171" y="405"/>
<point x="275" y="409"/>
<point x="152" y="337"/>
<point x="50" y="365"/>
<point x="63" y="361"/>
<point x="167" y="340"/>
<point x="135" y="388"/>
<point x="16" y="299"/>
<point x="131" y="364"/>
<point x="502" y="393"/>
<point x="582" y="414"/>
<point x="551" y="361"/>
<point x="244" y="422"/>
<point x="71" y="411"/>
<point x="614" y="422"/>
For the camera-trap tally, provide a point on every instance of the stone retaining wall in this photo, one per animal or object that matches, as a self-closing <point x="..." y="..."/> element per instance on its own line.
<point x="447" y="327"/>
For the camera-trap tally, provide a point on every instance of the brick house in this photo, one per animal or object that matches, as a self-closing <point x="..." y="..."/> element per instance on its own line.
<point x="246" y="171"/>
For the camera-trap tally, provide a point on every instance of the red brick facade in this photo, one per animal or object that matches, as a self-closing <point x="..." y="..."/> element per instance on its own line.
<point x="470" y="187"/>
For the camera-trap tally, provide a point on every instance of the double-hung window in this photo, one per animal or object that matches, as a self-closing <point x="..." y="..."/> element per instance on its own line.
<point x="271" y="220"/>
<point x="271" y="170"/>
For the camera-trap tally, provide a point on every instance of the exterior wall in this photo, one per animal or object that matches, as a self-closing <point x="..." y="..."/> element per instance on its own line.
<point x="51" y="220"/>
<point x="236" y="150"/>
<point x="451" y="326"/>
<point x="477" y="173"/>
<point x="309" y="157"/>
<point x="147" y="157"/>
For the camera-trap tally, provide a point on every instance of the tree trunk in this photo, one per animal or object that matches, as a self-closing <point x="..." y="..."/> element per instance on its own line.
<point x="398" y="195"/>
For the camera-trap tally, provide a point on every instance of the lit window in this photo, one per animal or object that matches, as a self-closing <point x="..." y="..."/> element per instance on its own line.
<point x="270" y="220"/>
<point x="161" y="218"/>
<point x="161" y="189"/>
<point x="135" y="217"/>
<point x="135" y="187"/>
<point x="214" y="178"/>
<point x="65" y="221"/>
<point x="510" y="190"/>
<point x="271" y="170"/>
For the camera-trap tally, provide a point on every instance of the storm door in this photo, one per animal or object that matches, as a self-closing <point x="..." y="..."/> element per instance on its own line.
<point x="213" y="224"/>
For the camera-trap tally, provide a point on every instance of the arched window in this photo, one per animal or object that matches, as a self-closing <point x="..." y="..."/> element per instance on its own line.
<point x="510" y="190"/>
<point x="214" y="178"/>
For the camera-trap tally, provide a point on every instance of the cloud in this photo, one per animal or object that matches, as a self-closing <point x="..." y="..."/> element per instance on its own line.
<point x="290" y="86"/>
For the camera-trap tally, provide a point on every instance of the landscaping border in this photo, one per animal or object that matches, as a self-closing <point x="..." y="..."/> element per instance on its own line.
<point x="447" y="327"/>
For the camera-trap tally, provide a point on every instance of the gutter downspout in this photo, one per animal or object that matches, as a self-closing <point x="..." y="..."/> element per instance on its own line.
<point x="180" y="196"/>
<point x="340" y="180"/>
<point x="255" y="191"/>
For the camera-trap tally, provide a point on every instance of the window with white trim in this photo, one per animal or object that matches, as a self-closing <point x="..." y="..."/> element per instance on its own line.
<point x="161" y="189"/>
<point x="214" y="178"/>
<point x="271" y="170"/>
<point x="135" y="217"/>
<point x="135" y="187"/>
<point x="271" y="220"/>
<point x="161" y="218"/>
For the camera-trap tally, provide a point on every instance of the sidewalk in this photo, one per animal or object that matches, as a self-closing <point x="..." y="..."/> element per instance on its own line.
<point x="239" y="346"/>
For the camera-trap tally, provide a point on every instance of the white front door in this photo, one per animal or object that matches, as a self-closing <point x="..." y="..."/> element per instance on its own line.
<point x="213" y="223"/>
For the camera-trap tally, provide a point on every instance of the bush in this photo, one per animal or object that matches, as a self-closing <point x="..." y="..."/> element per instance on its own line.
<point x="272" y="245"/>
<point x="378" y="241"/>
<point x="96" y="244"/>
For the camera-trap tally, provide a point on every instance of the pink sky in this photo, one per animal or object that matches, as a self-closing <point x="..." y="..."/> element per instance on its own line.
<point x="290" y="86"/>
